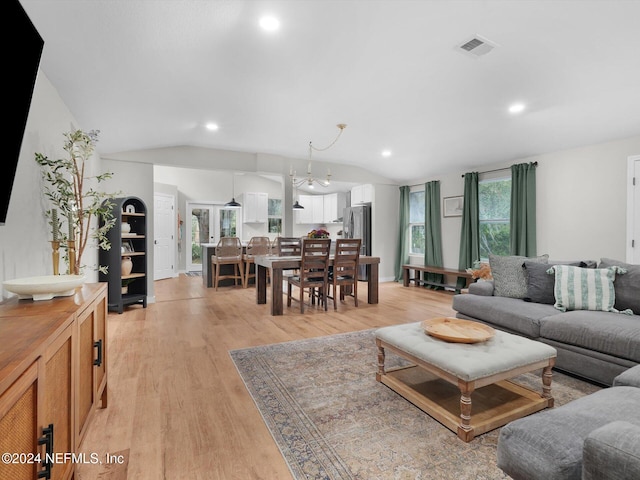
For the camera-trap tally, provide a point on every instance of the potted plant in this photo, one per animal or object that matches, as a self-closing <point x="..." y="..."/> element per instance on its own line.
<point x="75" y="195"/>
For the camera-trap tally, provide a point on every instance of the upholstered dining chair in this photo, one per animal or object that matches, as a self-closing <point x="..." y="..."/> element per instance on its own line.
<point x="314" y="271"/>
<point x="228" y="252"/>
<point x="345" y="269"/>
<point x="256" y="246"/>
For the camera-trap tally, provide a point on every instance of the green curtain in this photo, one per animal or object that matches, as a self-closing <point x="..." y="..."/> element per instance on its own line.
<point x="402" y="254"/>
<point x="432" y="230"/>
<point x="523" y="209"/>
<point x="470" y="232"/>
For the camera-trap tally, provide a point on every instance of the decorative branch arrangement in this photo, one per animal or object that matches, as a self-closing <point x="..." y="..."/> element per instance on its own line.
<point x="71" y="193"/>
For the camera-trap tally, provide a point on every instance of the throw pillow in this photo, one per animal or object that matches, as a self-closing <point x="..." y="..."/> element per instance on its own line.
<point x="508" y="274"/>
<point x="540" y="283"/>
<point x="585" y="288"/>
<point x="627" y="286"/>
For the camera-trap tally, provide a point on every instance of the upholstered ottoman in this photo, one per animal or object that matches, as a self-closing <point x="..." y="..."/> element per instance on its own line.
<point x="444" y="375"/>
<point x="596" y="437"/>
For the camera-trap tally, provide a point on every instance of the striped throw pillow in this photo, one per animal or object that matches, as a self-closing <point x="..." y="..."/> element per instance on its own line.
<point x="579" y="288"/>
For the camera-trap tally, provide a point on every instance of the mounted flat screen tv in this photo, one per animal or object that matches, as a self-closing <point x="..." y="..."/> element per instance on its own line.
<point x="23" y="59"/>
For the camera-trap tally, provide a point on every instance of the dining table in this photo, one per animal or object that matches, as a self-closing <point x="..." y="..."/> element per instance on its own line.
<point x="276" y="265"/>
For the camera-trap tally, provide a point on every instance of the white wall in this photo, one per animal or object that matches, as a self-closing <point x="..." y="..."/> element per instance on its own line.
<point x="24" y="239"/>
<point x="132" y="179"/>
<point x="581" y="202"/>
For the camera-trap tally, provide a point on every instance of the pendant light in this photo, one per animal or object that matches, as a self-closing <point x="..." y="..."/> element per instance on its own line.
<point x="233" y="203"/>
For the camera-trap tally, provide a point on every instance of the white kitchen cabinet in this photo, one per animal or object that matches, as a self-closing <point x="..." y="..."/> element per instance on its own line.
<point x="334" y="204"/>
<point x="313" y="212"/>
<point x="254" y="207"/>
<point x="361" y="194"/>
<point x="304" y="216"/>
<point x="317" y="214"/>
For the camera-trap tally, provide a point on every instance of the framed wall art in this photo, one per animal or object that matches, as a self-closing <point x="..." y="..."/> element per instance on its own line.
<point x="452" y="206"/>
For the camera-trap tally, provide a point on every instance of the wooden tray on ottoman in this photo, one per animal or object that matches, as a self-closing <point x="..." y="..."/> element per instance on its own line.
<point x="458" y="330"/>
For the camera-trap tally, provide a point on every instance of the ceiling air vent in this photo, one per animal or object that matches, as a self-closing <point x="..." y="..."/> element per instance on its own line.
<point x="476" y="46"/>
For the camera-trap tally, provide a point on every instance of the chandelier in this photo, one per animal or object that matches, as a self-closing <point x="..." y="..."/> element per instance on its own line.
<point x="310" y="180"/>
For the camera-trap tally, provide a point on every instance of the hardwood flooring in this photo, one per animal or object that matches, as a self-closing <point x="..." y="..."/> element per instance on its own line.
<point x="178" y="408"/>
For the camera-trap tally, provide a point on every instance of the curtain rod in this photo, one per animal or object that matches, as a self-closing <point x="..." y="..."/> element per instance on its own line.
<point x="535" y="164"/>
<point x="488" y="171"/>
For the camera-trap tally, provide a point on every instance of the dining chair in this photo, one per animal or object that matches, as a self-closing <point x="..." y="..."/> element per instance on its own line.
<point x="256" y="246"/>
<point x="228" y="252"/>
<point x="289" y="246"/>
<point x="314" y="271"/>
<point x="344" y="273"/>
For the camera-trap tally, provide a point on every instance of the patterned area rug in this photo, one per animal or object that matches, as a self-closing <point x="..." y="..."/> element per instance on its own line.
<point x="332" y="420"/>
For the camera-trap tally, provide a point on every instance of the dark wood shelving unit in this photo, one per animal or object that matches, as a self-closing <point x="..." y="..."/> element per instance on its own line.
<point x="133" y="211"/>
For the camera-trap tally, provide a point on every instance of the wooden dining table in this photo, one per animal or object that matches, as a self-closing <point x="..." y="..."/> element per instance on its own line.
<point x="276" y="265"/>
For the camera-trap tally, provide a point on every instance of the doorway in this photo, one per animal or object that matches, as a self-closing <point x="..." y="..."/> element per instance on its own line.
<point x="164" y="226"/>
<point x="633" y="211"/>
<point x="207" y="223"/>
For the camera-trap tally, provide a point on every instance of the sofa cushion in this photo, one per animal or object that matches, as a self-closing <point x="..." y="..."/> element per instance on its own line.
<point x="612" y="452"/>
<point x="627" y="286"/>
<point x="510" y="314"/>
<point x="579" y="288"/>
<point x="548" y="445"/>
<point x="630" y="377"/>
<point x="540" y="283"/>
<point x="605" y="332"/>
<point x="508" y="274"/>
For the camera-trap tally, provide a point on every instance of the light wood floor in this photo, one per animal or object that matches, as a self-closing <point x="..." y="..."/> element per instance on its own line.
<point x="178" y="408"/>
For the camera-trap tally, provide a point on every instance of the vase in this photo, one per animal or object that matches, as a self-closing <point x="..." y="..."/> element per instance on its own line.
<point x="127" y="266"/>
<point x="125" y="227"/>
<point x="125" y="289"/>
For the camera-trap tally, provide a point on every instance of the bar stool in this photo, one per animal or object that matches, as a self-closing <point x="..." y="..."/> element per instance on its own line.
<point x="256" y="246"/>
<point x="228" y="252"/>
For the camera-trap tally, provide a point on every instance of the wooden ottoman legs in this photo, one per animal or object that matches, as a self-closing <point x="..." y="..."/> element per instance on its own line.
<point x="381" y="357"/>
<point x="465" y="430"/>
<point x="547" y="376"/>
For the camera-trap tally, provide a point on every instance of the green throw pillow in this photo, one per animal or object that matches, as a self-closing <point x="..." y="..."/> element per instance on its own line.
<point x="579" y="288"/>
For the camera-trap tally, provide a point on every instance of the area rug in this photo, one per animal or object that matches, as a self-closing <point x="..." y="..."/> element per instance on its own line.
<point x="332" y="420"/>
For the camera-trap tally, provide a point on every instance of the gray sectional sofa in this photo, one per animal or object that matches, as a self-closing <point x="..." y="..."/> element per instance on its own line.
<point x="596" y="437"/>
<point x="595" y="345"/>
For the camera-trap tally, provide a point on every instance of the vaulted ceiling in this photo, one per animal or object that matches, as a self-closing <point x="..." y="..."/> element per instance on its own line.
<point x="152" y="74"/>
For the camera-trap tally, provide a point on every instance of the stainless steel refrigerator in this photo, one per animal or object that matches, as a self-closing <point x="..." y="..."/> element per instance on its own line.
<point x="356" y="223"/>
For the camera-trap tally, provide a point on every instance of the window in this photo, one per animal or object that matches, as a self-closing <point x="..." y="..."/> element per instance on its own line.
<point x="274" y="215"/>
<point x="416" y="222"/>
<point x="228" y="222"/>
<point x="494" y="200"/>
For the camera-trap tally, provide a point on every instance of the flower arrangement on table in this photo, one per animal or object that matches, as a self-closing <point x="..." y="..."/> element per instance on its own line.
<point x="480" y="270"/>
<point x="319" y="233"/>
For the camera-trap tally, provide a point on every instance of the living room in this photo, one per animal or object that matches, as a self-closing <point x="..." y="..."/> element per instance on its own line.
<point x="582" y="213"/>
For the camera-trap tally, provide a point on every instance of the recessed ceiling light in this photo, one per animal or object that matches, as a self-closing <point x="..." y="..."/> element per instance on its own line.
<point x="386" y="153"/>
<point x="517" y="108"/>
<point x="269" y="23"/>
<point x="212" y="126"/>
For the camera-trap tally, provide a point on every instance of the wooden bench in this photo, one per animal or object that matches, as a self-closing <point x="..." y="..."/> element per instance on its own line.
<point x="420" y="271"/>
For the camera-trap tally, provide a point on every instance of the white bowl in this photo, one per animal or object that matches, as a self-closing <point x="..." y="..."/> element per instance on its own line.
<point x="45" y="287"/>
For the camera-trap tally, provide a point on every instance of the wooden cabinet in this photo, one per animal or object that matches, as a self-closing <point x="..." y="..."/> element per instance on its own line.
<point x="41" y="373"/>
<point x="92" y="332"/>
<point x="128" y="239"/>
<point x="255" y="207"/>
<point x="361" y="194"/>
<point x="19" y="424"/>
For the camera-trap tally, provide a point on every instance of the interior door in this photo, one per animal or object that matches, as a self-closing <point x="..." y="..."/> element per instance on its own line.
<point x="200" y="218"/>
<point x="634" y="211"/>
<point x="164" y="236"/>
